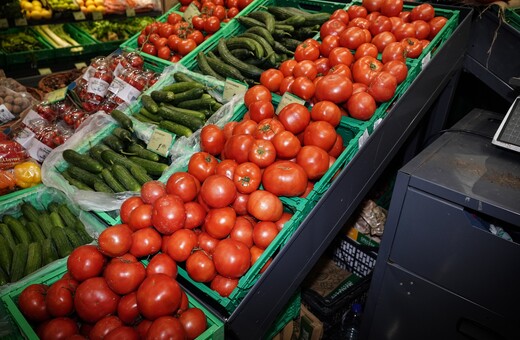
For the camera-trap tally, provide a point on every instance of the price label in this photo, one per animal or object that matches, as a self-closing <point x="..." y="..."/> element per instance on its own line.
<point x="44" y="71"/>
<point x="79" y="66"/>
<point x="233" y="88"/>
<point x="190" y="12"/>
<point x="56" y="96"/>
<point x="97" y="16"/>
<point x="364" y="137"/>
<point x="160" y="142"/>
<point x="4" y="23"/>
<point x="5" y="114"/>
<point x="288" y="98"/>
<point x="20" y="22"/>
<point x="130" y="12"/>
<point x="426" y="59"/>
<point x="79" y="16"/>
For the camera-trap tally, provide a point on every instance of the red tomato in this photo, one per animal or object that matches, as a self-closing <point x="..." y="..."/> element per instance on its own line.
<point x="219" y="222"/>
<point x="366" y="49"/>
<point x="381" y="24"/>
<point x="223" y="285"/>
<point x="166" y="327"/>
<point x="124" y="274"/>
<point x="264" y="205"/>
<point x="266" y="129"/>
<point x="326" y="111"/>
<point x="356" y="11"/>
<point x="238" y="146"/>
<point x="286" y="84"/>
<point x="396" y="22"/>
<point x="220" y="12"/>
<point x="394" y="51"/>
<point x="332" y="27"/>
<point x="212" y="24"/>
<point x="197" y="36"/>
<point x="412" y="47"/>
<point x="212" y="139"/>
<point x="361" y="106"/>
<point x="286" y="216"/>
<point x="247" y="126"/>
<point x="142" y="328"/>
<point x="359" y="87"/>
<point x="104" y="326"/>
<point x="287" y="145"/>
<point x="328" y="43"/>
<point x="365" y="69"/>
<point x="60" y="297"/>
<point x="436" y="24"/>
<point x="271" y="79"/>
<point x="243" y="3"/>
<point x="262" y="153"/>
<point x="232" y="12"/>
<point x="307" y="51"/>
<point x="185" y="46"/>
<point x="194" y="322"/>
<point x="180" y="245"/>
<point x="405" y="16"/>
<point x="141" y="39"/>
<point x="314" y="160"/>
<point x="287" y="67"/>
<point x="141" y="217"/>
<point x="145" y="242"/>
<point x="359" y="22"/>
<point x="256" y="253"/>
<point x="226" y="168"/>
<point x="206" y="242"/>
<point x="158" y="295"/>
<point x="122" y="332"/>
<point x="261" y="110"/>
<point x="350" y="39"/>
<point x="240" y="204"/>
<point x="195" y="214"/>
<point x="218" y="191"/>
<point x="201" y="165"/>
<point x="255" y="93"/>
<point x="422" y="29"/>
<point x="322" y="65"/>
<point x="128" y="206"/>
<point x="396" y="68"/>
<point x="58" y="328"/>
<point x="382" y="87"/>
<point x="152" y="190"/>
<point x="174" y="18"/>
<point x="168" y="214"/>
<point x="391" y="8"/>
<point x="372" y="5"/>
<point x="341" y="69"/>
<point x="94" y="300"/>
<point x="115" y="240"/>
<point x="305" y="68"/>
<point x="338" y="146"/>
<point x="198" y="22"/>
<point x="232" y="258"/>
<point x="162" y="264"/>
<point x="127" y="309"/>
<point x="85" y="262"/>
<point x="184" y="185"/>
<point x="334" y="88"/>
<point x="424" y="12"/>
<point x="264" y="232"/>
<point x="247" y="177"/>
<point x="31" y="303"/>
<point x="405" y="30"/>
<point x="341" y="55"/>
<point x="243" y="231"/>
<point x="340" y="14"/>
<point x="373" y="16"/>
<point x="303" y="87"/>
<point x="164" y="52"/>
<point x="149" y="48"/>
<point x="321" y="134"/>
<point x="382" y="40"/>
<point x="200" y="267"/>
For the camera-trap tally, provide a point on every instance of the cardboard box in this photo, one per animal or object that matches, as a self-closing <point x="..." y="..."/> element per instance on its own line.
<point x="309" y="327"/>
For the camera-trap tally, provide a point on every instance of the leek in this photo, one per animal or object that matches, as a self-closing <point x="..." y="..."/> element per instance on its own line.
<point x="58" y="29"/>
<point x="46" y="37"/>
<point x="53" y="36"/>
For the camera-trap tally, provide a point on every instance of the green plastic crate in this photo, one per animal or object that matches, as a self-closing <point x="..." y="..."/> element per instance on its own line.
<point x="47" y="52"/>
<point x="291" y="312"/>
<point x="513" y="17"/>
<point x="253" y="274"/>
<point x="21" y="328"/>
<point x="40" y="197"/>
<point x="89" y="44"/>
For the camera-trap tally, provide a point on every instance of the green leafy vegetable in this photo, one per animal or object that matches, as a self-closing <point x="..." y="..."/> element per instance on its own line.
<point x="104" y="30"/>
<point x="19" y="42"/>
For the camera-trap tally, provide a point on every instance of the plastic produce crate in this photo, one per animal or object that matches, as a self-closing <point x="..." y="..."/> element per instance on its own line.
<point x="6" y="59"/>
<point x="360" y="261"/>
<point x="21" y="328"/>
<point x="291" y="312"/>
<point x="513" y="17"/>
<point x="40" y="197"/>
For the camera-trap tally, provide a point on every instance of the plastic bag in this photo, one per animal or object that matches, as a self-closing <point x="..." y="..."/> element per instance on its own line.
<point x="120" y="6"/>
<point x="89" y="131"/>
<point x="13" y="103"/>
<point x="11" y="153"/>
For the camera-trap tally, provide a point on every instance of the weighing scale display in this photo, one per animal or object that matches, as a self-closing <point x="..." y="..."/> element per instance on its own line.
<point x="508" y="134"/>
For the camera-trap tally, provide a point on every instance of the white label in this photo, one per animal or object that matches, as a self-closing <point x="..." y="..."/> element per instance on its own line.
<point x="38" y="150"/>
<point x="377" y="122"/>
<point x="32" y="118"/>
<point x="233" y="88"/>
<point x="116" y="85"/>
<point x="97" y="16"/>
<point x="426" y="59"/>
<point x="79" y="16"/>
<point x="130" y="12"/>
<point x="25" y="137"/>
<point x="44" y="71"/>
<point x="20" y="22"/>
<point x="160" y="142"/>
<point x="119" y="68"/>
<point x="364" y="137"/>
<point x="4" y="23"/>
<point x="5" y="114"/>
<point x="89" y="73"/>
<point x="128" y="93"/>
<point x="288" y="98"/>
<point x="97" y="86"/>
<point x="190" y="12"/>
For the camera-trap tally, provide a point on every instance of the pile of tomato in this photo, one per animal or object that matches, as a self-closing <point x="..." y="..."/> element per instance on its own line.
<point x="360" y="57"/>
<point x="109" y="295"/>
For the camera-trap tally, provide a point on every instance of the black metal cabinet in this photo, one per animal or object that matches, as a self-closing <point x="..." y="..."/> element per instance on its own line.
<point x="440" y="273"/>
<point x="267" y="298"/>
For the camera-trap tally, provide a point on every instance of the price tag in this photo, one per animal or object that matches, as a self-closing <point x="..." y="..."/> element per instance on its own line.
<point x="20" y="22"/>
<point x="233" y="88"/>
<point x="288" y="98"/>
<point x="4" y="23"/>
<point x="97" y="16"/>
<point x="364" y="137"/>
<point x="377" y="122"/>
<point x="56" y="96"/>
<point x="44" y="71"/>
<point x="426" y="59"/>
<point x="5" y="114"/>
<point x="160" y="142"/>
<point x="79" y="16"/>
<point x="130" y="12"/>
<point x="79" y="66"/>
<point x="190" y="12"/>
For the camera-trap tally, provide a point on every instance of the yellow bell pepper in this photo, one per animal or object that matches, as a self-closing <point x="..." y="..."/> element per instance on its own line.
<point x="27" y="174"/>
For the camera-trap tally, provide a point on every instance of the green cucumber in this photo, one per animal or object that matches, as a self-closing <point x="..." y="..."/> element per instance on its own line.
<point x="151" y="167"/>
<point x="144" y="119"/>
<point x="316" y="18"/>
<point x="180" y="116"/>
<point x="265" y="17"/>
<point x="101" y="186"/>
<point x="263" y="32"/>
<point x="195" y="93"/>
<point x="19" y="261"/>
<point x="246" y="69"/>
<point x="124" y="177"/>
<point x="34" y="258"/>
<point x="198" y="104"/>
<point x="295" y="21"/>
<point x="114" y="142"/>
<point x="35" y="231"/>
<point x="6" y="255"/>
<point x="144" y="112"/>
<point x="280" y="48"/>
<point x="225" y="70"/>
<point x="60" y="239"/>
<point x="29" y="211"/>
<point x="247" y="43"/>
<point x="181" y="76"/>
<point x="162" y="96"/>
<point x="56" y="220"/>
<point x="182" y="87"/>
<point x="270" y="58"/>
<point x="140" y="176"/>
<point x="74" y="238"/>
<point x="18" y="229"/>
<point x="113" y="157"/>
<point x="82" y="161"/>
<point x="149" y="103"/>
<point x="4" y="277"/>
<point x="46" y="224"/>
<point x="204" y="67"/>
<point x="68" y="217"/>
<point x="123" y="119"/>
<point x="49" y="253"/>
<point x="111" y="181"/>
<point x="74" y="182"/>
<point x="122" y="134"/>
<point x="82" y="175"/>
<point x="249" y="22"/>
<point x="95" y="152"/>
<point x="137" y="150"/>
<point x="178" y="129"/>
<point x="8" y="235"/>
<point x="241" y="53"/>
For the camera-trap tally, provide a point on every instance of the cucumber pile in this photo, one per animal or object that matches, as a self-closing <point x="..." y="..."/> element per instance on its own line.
<point x="180" y="108"/>
<point x="36" y="238"/>
<point x="270" y="38"/>
<point x="119" y="163"/>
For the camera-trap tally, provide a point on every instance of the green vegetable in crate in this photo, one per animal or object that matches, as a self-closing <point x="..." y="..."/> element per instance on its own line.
<point x="111" y="181"/>
<point x="106" y="30"/>
<point x="122" y="119"/>
<point x="83" y="161"/>
<point x="19" y="261"/>
<point x="19" y="42"/>
<point x="189" y="118"/>
<point x="125" y="177"/>
<point x="6" y="255"/>
<point x="58" y="37"/>
<point x="34" y="258"/>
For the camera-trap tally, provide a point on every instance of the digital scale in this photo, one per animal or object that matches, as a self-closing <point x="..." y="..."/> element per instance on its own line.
<point x="508" y="133"/>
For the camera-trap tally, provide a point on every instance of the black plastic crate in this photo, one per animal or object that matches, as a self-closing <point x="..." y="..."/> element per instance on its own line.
<point x="331" y="310"/>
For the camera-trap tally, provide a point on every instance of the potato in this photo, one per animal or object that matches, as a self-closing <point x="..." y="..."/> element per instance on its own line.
<point x="9" y="99"/>
<point x="18" y="100"/>
<point x="8" y="106"/>
<point x="16" y="109"/>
